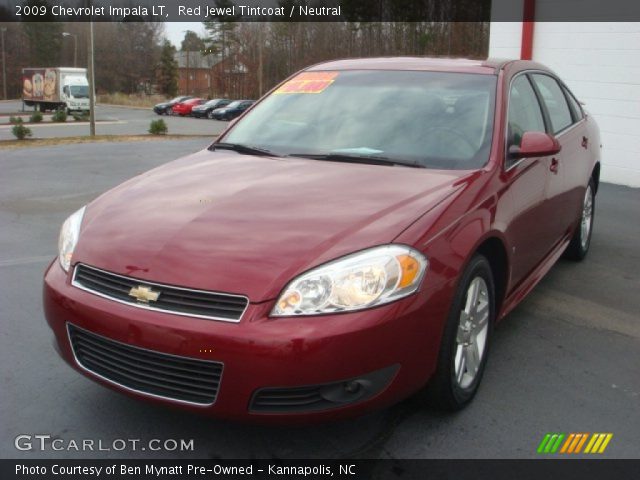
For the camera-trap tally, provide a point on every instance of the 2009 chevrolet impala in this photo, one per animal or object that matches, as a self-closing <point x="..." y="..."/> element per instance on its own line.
<point x="351" y="240"/>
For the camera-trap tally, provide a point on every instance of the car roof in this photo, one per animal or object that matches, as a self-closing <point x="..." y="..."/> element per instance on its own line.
<point x="463" y="65"/>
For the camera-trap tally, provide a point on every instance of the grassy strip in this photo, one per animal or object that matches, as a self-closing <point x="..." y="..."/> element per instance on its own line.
<point x="121" y="99"/>
<point x="47" y="142"/>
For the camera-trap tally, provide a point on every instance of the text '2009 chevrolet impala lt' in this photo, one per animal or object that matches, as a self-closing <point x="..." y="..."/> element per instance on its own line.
<point x="351" y="240"/>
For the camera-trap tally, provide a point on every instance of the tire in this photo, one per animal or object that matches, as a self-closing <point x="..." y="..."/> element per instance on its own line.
<point x="457" y="376"/>
<point x="581" y="240"/>
<point x="210" y="114"/>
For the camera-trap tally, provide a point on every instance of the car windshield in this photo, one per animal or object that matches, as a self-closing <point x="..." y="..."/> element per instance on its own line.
<point x="234" y="104"/>
<point x="214" y="101"/>
<point x="177" y="99"/>
<point x="431" y="119"/>
<point x="79" y="91"/>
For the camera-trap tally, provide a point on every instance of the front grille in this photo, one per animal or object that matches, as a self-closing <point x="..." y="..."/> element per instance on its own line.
<point x="146" y="371"/>
<point x="182" y="301"/>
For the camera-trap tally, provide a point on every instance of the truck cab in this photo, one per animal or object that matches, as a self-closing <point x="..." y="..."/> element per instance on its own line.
<point x="75" y="92"/>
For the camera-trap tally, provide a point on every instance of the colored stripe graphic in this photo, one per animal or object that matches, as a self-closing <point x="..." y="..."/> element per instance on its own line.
<point x="574" y="442"/>
<point x="551" y="442"/>
<point x="598" y="442"/>
<point x="543" y="443"/>
<point x="568" y="442"/>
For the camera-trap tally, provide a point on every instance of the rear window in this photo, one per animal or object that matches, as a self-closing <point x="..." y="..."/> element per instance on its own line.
<point x="440" y="120"/>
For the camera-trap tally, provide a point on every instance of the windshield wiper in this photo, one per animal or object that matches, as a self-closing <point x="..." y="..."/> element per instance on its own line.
<point x="244" y="149"/>
<point x="369" y="159"/>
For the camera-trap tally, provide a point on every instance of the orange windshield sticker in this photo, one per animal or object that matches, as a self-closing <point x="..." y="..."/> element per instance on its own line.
<point x="308" y="82"/>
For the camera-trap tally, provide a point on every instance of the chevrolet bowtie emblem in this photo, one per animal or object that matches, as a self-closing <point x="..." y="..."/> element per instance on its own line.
<point x="144" y="294"/>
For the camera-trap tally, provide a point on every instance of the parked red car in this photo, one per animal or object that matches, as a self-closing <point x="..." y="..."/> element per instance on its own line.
<point x="184" y="108"/>
<point x="351" y="240"/>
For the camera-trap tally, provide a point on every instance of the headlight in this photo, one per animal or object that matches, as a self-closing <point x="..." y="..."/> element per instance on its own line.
<point x="69" y="238"/>
<point x="361" y="280"/>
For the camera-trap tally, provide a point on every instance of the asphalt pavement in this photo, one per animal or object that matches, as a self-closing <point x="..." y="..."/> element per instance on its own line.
<point x="566" y="360"/>
<point x="110" y="120"/>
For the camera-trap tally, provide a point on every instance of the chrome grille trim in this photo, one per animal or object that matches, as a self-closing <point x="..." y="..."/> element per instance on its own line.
<point x="76" y="283"/>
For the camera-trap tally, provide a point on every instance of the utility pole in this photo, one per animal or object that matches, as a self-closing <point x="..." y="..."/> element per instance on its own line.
<point x="92" y="85"/>
<point x="4" y="66"/>
<point x="188" y="72"/>
<point x="75" y="46"/>
<point x="260" y="64"/>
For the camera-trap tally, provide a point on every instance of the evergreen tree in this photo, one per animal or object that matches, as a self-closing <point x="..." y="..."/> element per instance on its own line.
<point x="44" y="36"/>
<point x="222" y="37"/>
<point x="192" y="42"/>
<point x="168" y="70"/>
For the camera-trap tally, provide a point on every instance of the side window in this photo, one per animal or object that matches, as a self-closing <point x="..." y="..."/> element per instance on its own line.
<point x="524" y="111"/>
<point x="575" y="106"/>
<point x="555" y="102"/>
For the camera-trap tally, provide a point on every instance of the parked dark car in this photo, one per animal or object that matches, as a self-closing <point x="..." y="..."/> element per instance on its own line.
<point x="165" y="108"/>
<point x="205" y="109"/>
<point x="350" y="241"/>
<point x="231" y="111"/>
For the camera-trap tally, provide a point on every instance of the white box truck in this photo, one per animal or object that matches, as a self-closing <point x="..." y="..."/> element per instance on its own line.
<point x="56" y="88"/>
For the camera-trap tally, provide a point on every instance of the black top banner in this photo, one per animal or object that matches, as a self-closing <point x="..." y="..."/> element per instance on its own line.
<point x="319" y="10"/>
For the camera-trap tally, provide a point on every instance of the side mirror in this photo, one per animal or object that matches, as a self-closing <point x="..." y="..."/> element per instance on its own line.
<point x="535" y="144"/>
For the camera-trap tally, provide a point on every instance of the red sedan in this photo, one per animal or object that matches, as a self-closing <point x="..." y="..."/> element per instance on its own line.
<point x="184" y="108"/>
<point x="350" y="241"/>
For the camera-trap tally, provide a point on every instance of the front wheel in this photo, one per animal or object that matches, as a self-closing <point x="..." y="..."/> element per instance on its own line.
<point x="579" y="245"/>
<point x="466" y="338"/>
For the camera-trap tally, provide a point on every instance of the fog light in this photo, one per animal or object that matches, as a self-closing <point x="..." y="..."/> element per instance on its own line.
<point x="352" y="387"/>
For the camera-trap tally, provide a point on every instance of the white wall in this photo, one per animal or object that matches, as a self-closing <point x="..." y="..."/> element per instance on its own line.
<point x="600" y="61"/>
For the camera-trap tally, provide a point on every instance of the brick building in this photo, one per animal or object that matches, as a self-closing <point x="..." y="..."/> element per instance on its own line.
<point x="209" y="76"/>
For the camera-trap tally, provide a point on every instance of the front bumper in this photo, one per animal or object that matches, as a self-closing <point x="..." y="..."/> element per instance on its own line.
<point x="260" y="353"/>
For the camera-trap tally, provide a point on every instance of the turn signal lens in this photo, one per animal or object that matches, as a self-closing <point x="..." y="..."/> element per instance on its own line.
<point x="410" y="269"/>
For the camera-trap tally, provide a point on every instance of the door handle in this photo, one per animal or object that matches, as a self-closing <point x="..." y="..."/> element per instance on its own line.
<point x="554" y="165"/>
<point x="585" y="142"/>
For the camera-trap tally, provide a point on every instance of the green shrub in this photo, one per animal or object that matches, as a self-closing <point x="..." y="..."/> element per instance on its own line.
<point x="158" y="127"/>
<point x="19" y="130"/>
<point x="59" y="116"/>
<point x="36" y="117"/>
<point x="15" y="120"/>
<point x="81" y="117"/>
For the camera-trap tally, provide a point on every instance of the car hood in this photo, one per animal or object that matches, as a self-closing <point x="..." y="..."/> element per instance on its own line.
<point x="162" y="105"/>
<point x="241" y="224"/>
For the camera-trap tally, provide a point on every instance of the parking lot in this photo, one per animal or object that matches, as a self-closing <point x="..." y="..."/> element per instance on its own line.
<point x="566" y="360"/>
<point x="110" y="120"/>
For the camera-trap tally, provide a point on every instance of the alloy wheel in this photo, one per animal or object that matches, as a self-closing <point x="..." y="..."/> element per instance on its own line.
<point x="471" y="337"/>
<point x="587" y="214"/>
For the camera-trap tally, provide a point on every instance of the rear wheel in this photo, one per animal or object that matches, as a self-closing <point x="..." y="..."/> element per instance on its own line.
<point x="210" y="114"/>
<point x="466" y="339"/>
<point x="579" y="245"/>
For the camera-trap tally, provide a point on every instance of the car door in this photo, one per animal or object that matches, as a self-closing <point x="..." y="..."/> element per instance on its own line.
<point x="526" y="183"/>
<point x="566" y="182"/>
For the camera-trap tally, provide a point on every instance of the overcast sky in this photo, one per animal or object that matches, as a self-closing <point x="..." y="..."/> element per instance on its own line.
<point x="175" y="30"/>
